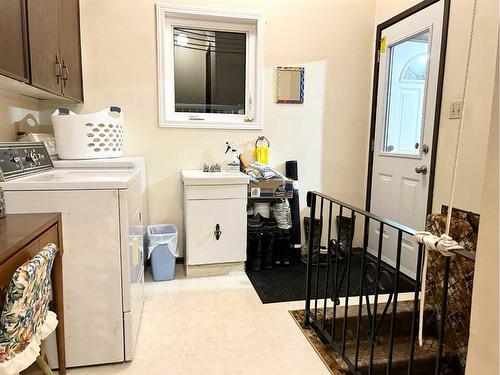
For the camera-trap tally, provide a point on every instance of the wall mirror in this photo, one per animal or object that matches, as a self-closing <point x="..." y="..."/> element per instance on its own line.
<point x="289" y="85"/>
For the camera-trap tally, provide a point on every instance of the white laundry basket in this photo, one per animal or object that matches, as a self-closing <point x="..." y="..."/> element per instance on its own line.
<point x="88" y="136"/>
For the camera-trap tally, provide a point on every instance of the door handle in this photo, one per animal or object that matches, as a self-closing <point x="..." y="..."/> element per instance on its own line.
<point x="425" y="148"/>
<point x="217" y="232"/>
<point x="421" y="170"/>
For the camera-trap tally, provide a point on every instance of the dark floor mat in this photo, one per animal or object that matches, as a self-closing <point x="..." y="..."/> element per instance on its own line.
<point x="288" y="283"/>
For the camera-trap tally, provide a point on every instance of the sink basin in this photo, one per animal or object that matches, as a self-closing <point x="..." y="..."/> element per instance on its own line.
<point x="198" y="177"/>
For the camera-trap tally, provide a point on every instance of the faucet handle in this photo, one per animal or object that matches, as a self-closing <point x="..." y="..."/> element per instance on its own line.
<point x="215" y="167"/>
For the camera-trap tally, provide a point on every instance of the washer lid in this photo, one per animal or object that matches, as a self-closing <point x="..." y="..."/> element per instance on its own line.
<point x="122" y="162"/>
<point x="74" y="179"/>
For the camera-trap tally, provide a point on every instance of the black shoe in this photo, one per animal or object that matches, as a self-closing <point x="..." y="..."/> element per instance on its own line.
<point x="268" y="251"/>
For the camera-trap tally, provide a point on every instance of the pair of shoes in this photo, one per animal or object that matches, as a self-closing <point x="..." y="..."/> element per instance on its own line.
<point x="254" y="252"/>
<point x="268" y="251"/>
<point x="259" y="221"/>
<point x="254" y="222"/>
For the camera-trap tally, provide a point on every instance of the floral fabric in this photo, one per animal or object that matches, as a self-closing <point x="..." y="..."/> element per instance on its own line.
<point x="26" y="304"/>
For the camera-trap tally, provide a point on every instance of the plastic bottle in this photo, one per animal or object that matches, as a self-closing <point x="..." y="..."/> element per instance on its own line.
<point x="234" y="162"/>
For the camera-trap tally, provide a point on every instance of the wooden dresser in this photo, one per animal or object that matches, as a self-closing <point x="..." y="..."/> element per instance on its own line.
<point x="21" y="237"/>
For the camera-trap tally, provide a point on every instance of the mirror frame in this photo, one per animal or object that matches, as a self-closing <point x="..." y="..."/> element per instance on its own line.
<point x="301" y="71"/>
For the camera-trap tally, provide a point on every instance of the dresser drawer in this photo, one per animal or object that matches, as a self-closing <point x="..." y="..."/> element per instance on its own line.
<point x="215" y="192"/>
<point x="49" y="236"/>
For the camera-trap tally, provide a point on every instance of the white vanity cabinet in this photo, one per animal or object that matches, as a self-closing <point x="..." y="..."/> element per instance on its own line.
<point x="215" y="221"/>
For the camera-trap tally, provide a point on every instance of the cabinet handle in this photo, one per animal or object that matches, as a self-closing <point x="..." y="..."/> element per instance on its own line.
<point x="58" y="68"/>
<point x="65" y="72"/>
<point x="217" y="232"/>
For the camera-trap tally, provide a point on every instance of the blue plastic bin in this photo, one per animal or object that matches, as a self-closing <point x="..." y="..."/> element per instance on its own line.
<point x="162" y="250"/>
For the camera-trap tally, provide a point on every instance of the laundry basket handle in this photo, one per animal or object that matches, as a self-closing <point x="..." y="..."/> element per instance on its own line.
<point x="115" y="109"/>
<point x="63" y="111"/>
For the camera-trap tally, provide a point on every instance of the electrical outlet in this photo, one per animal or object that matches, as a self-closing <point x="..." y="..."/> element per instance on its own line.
<point x="456" y="110"/>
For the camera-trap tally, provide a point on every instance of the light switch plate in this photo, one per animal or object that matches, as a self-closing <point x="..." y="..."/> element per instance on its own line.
<point x="456" y="110"/>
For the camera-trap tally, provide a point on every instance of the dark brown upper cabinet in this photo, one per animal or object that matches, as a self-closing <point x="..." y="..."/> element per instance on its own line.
<point x="40" y="45"/>
<point x="69" y="45"/>
<point x="43" y="26"/>
<point x="14" y="61"/>
<point x="54" y="43"/>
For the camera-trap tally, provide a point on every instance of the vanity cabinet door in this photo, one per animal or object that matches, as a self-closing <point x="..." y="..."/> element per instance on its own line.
<point x="43" y="23"/>
<point x="13" y="42"/>
<point x="215" y="231"/>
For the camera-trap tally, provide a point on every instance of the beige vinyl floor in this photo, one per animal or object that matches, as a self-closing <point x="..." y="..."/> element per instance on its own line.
<point x="214" y="325"/>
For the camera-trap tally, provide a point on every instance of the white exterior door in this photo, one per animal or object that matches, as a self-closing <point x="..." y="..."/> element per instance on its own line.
<point x="402" y="149"/>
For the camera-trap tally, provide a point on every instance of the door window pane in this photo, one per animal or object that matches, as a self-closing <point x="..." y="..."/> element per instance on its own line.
<point x="408" y="62"/>
<point x="209" y="71"/>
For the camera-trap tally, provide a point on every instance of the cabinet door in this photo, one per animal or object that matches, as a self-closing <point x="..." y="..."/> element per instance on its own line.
<point x="202" y="218"/>
<point x="13" y="42"/>
<point x="44" y="44"/>
<point x="69" y="43"/>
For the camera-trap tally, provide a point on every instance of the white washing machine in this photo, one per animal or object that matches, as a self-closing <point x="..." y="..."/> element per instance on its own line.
<point x="125" y="162"/>
<point x="103" y="231"/>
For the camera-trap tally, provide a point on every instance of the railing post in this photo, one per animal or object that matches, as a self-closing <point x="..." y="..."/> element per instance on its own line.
<point x="444" y="305"/>
<point x="395" y="302"/>
<point x="349" y="254"/>
<point x="336" y="287"/>
<point x="318" y="259"/>
<point x="414" y="320"/>
<point x="375" y="299"/>
<point x="328" y="262"/>
<point x="361" y="288"/>
<point x="312" y="202"/>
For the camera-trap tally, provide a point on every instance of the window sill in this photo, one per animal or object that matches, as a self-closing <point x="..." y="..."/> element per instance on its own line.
<point x="197" y="124"/>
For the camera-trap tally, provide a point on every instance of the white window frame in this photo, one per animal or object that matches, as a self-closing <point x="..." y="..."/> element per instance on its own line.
<point x="169" y="16"/>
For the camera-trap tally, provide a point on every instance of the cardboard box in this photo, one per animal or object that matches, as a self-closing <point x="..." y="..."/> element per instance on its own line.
<point x="271" y="189"/>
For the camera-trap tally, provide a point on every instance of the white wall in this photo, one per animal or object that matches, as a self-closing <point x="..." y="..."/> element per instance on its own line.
<point x="327" y="134"/>
<point x="15" y="109"/>
<point x="484" y="348"/>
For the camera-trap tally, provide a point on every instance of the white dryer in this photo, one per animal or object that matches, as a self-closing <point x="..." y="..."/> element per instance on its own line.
<point x="103" y="231"/>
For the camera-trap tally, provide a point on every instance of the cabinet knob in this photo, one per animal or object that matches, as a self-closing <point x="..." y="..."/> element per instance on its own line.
<point x="217" y="232"/>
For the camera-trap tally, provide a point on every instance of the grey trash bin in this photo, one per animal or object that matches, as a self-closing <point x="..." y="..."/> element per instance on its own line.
<point x="162" y="250"/>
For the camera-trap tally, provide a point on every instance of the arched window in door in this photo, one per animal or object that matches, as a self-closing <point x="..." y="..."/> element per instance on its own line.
<point x="415" y="69"/>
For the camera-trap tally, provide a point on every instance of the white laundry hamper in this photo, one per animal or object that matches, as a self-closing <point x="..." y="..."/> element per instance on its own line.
<point x="88" y="136"/>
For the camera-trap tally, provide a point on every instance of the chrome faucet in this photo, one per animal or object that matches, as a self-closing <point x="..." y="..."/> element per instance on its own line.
<point x="211" y="167"/>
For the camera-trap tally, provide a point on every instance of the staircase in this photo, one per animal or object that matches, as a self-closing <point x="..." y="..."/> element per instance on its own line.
<point x="424" y="358"/>
<point x="372" y="336"/>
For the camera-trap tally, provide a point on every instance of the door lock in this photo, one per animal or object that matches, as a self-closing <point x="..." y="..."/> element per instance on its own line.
<point x="421" y="170"/>
<point x="217" y="232"/>
<point x="425" y="149"/>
